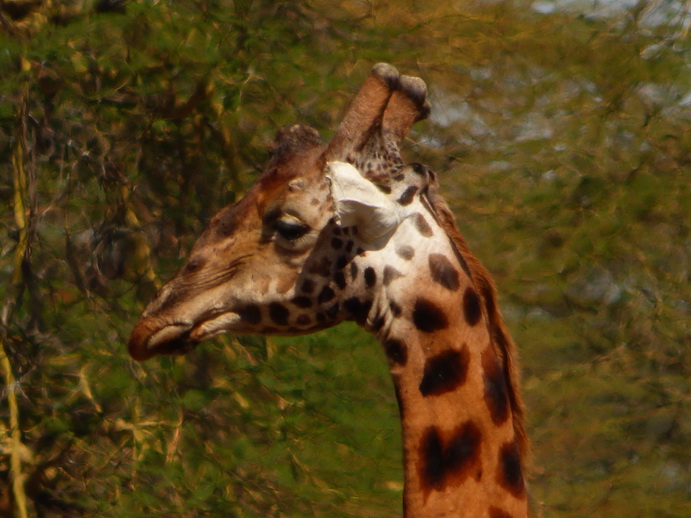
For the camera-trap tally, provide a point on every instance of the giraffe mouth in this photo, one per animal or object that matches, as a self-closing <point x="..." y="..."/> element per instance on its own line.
<point x="214" y="325"/>
<point x="169" y="339"/>
<point x="173" y="338"/>
<point x="178" y="337"/>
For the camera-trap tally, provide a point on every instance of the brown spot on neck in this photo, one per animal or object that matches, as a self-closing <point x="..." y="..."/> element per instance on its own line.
<point x="495" y="396"/>
<point x="445" y="372"/>
<point x="496" y="512"/>
<point x="428" y="316"/>
<point x="509" y="470"/>
<point x="370" y="277"/>
<point x="447" y="459"/>
<point x="391" y="274"/>
<point x="407" y="197"/>
<point x="422" y="226"/>
<point x="471" y="307"/>
<point x="405" y="252"/>
<point x="278" y="313"/>
<point x="396" y="351"/>
<point x="443" y="272"/>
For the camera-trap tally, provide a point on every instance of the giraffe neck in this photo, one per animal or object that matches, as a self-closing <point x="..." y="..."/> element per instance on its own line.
<point x="460" y="449"/>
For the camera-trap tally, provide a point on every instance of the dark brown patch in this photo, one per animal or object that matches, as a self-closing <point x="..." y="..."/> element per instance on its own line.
<point x="445" y="372"/>
<point x="405" y="252"/>
<point x="341" y="262"/>
<point x="396" y="309"/>
<point x="495" y="512"/>
<point x="325" y="295"/>
<point x="496" y="396"/>
<point x="349" y="246"/>
<point x="358" y="309"/>
<point x="432" y="466"/>
<point x="463" y="451"/>
<point x="370" y="277"/>
<point x="391" y="274"/>
<point x="443" y="272"/>
<point x="396" y="351"/>
<point x="428" y="317"/>
<point x="471" y="307"/>
<point x="378" y="323"/>
<point x="407" y="197"/>
<point x="278" y="313"/>
<point x="509" y="472"/>
<point x="353" y="270"/>
<point x="251" y="314"/>
<point x="332" y="311"/>
<point x="422" y="226"/>
<point x="419" y="168"/>
<point x="322" y="267"/>
<point x="449" y="463"/>
<point x="307" y="286"/>
<point x="337" y="231"/>
<point x="302" y="301"/>
<point x="336" y="243"/>
<point x="303" y="320"/>
<point x="339" y="278"/>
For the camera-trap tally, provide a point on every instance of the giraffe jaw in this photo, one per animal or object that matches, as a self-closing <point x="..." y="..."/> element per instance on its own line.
<point x="214" y="326"/>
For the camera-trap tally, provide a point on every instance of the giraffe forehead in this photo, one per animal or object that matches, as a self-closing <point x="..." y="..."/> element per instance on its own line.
<point x="296" y="173"/>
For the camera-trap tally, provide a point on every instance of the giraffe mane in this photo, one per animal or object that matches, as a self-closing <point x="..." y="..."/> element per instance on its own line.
<point x="500" y="338"/>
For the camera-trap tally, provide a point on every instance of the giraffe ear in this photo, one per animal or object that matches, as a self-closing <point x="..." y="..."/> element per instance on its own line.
<point x="358" y="202"/>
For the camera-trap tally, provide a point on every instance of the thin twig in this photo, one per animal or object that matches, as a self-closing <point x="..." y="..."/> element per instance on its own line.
<point x="17" y="287"/>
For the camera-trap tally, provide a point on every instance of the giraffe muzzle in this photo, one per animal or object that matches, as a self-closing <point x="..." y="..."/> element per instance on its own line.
<point x="149" y="339"/>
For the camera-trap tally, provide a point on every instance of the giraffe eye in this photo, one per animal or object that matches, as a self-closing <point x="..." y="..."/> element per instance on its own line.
<point x="290" y="230"/>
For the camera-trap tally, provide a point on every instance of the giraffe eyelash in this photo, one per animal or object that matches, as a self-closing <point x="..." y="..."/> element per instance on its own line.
<point x="291" y="231"/>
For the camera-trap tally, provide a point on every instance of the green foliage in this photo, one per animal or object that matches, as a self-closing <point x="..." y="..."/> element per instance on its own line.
<point x="561" y="140"/>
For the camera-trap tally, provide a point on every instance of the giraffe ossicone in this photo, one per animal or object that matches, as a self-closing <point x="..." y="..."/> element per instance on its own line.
<point x="347" y="231"/>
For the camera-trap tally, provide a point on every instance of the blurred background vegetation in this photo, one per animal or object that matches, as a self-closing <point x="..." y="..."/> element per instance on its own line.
<point x="561" y="135"/>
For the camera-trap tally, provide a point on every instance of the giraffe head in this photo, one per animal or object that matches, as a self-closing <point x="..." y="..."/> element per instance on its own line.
<point x="349" y="232"/>
<point x="279" y="260"/>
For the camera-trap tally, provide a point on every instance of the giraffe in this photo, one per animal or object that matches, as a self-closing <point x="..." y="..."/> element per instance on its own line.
<point x="348" y="231"/>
